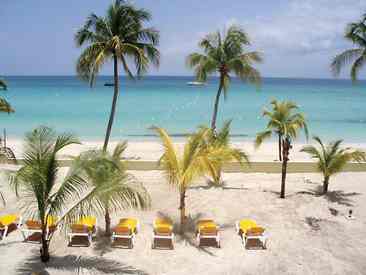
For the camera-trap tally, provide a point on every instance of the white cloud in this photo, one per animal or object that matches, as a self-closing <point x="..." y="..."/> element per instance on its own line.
<point x="305" y="26"/>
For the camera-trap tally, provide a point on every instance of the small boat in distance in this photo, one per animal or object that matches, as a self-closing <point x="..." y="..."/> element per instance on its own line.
<point x="196" y="83"/>
<point x="109" y="84"/>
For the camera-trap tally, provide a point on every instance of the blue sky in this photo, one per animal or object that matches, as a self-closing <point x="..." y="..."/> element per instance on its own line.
<point x="297" y="37"/>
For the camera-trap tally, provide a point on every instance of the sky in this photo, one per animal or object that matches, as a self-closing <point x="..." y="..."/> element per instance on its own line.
<point x="298" y="38"/>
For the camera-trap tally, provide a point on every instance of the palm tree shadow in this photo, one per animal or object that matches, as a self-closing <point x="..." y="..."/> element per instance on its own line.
<point x="189" y="235"/>
<point x="336" y="196"/>
<point x="75" y="264"/>
<point x="102" y="244"/>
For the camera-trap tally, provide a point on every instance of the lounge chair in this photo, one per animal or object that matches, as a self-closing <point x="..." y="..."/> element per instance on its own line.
<point x="207" y="230"/>
<point x="251" y="232"/>
<point x="84" y="227"/>
<point x="163" y="236"/>
<point x="34" y="227"/>
<point x="126" y="231"/>
<point x="6" y="222"/>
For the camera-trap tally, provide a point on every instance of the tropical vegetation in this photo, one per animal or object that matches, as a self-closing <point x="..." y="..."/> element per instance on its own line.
<point x="120" y="36"/>
<point x="278" y="120"/>
<point x="331" y="158"/>
<point x="356" y="57"/>
<point x="105" y="170"/>
<point x="221" y="139"/>
<point x="226" y="54"/>
<point x="182" y="170"/>
<point x="286" y="121"/>
<point x="3" y="84"/>
<point x="43" y="193"/>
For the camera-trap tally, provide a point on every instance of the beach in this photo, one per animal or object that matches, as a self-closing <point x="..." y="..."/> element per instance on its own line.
<point x="304" y="236"/>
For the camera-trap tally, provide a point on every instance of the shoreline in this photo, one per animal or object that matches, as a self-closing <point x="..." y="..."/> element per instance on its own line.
<point x="144" y="155"/>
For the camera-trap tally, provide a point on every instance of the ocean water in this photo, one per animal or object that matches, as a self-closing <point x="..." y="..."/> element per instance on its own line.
<point x="334" y="108"/>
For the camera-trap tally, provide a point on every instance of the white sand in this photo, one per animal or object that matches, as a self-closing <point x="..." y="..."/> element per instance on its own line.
<point x="337" y="247"/>
<point x="151" y="150"/>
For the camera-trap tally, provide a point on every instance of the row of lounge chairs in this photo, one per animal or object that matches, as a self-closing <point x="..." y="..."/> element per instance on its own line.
<point x="124" y="233"/>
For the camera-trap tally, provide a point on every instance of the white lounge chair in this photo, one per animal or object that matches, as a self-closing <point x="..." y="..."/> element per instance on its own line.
<point x="31" y="227"/>
<point x="163" y="235"/>
<point x="126" y="229"/>
<point x="85" y="227"/>
<point x="208" y="230"/>
<point x="249" y="230"/>
<point x="6" y="221"/>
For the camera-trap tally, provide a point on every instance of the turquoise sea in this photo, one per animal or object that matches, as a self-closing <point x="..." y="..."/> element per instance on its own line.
<point x="334" y="108"/>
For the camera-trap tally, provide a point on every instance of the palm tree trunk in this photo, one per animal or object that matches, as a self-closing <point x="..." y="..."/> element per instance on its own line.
<point x="45" y="254"/>
<point x="216" y="106"/>
<point x="114" y="103"/>
<point x="325" y="185"/>
<point x="285" y="153"/>
<point x="107" y="220"/>
<point x="279" y="146"/>
<point x="182" y="209"/>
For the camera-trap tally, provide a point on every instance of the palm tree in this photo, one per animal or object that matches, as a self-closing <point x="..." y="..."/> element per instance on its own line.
<point x="221" y="139"/>
<point x="331" y="158"/>
<point x="122" y="37"/>
<point x="277" y="120"/>
<point x="355" y="33"/>
<point x="5" y="106"/>
<point x="195" y="162"/>
<point x="43" y="192"/>
<point x="104" y="169"/>
<point x="225" y="54"/>
<point x="287" y="123"/>
<point x="3" y="84"/>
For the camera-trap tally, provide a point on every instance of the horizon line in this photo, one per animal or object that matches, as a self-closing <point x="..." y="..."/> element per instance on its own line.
<point x="183" y="75"/>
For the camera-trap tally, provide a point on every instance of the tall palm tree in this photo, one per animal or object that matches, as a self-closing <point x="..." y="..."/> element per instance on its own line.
<point x="195" y="161"/>
<point x="331" y="158"/>
<point x="225" y="54"/>
<point x="356" y="34"/>
<point x="221" y="139"/>
<point x="104" y="169"/>
<point x="119" y="36"/>
<point x="277" y="122"/>
<point x="289" y="125"/>
<point x="3" y="84"/>
<point x="41" y="189"/>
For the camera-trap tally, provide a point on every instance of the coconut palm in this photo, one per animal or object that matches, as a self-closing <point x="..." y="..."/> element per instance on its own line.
<point x="331" y="158"/>
<point x="3" y="84"/>
<point x="119" y="36"/>
<point x="286" y="122"/>
<point x="356" y="34"/>
<point x="195" y="161"/>
<point x="225" y="54"/>
<point x="104" y="169"/>
<point x="41" y="189"/>
<point x="5" y="106"/>
<point x="277" y="121"/>
<point x="221" y="139"/>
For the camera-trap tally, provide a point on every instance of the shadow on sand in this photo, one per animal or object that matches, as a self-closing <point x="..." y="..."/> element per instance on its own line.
<point x="189" y="235"/>
<point x="76" y="265"/>
<point x="336" y="196"/>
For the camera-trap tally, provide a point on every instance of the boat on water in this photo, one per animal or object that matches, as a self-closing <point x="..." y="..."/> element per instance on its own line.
<point x="108" y="84"/>
<point x="196" y="83"/>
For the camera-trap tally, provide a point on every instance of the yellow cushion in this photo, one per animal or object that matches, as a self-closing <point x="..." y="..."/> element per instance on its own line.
<point x="206" y="224"/>
<point x="8" y="219"/>
<point x="163" y="223"/>
<point x="51" y="221"/>
<point x="244" y="225"/>
<point x="129" y="222"/>
<point x="88" y="221"/>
